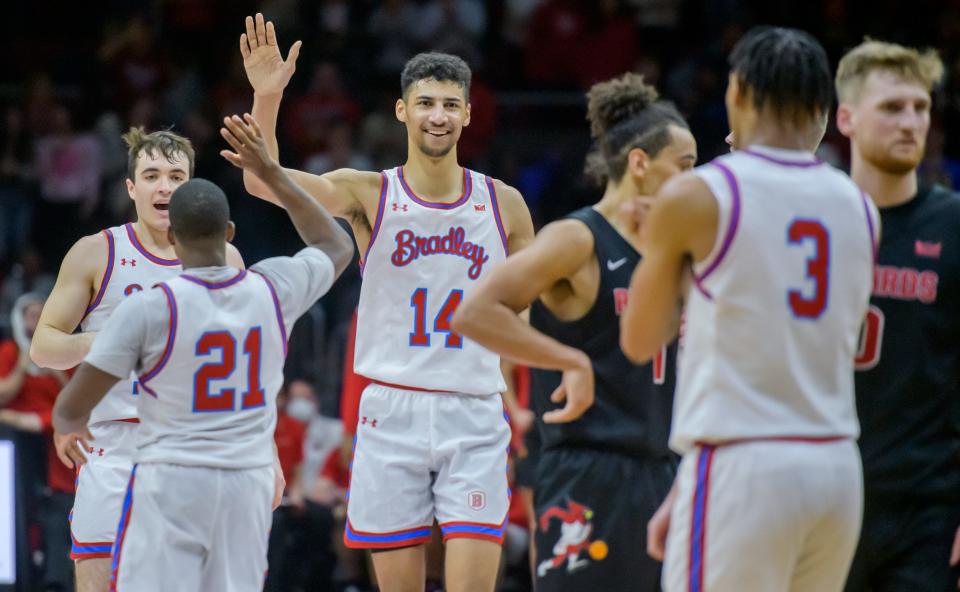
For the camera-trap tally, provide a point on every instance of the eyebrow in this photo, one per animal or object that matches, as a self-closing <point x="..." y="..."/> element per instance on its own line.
<point x="455" y="99"/>
<point x="156" y="170"/>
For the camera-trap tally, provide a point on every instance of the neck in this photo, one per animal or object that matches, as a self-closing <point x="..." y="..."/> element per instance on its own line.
<point x="772" y="132"/>
<point x="434" y="179"/>
<point x="154" y="240"/>
<point x="203" y="258"/>
<point x="611" y="206"/>
<point x="885" y="188"/>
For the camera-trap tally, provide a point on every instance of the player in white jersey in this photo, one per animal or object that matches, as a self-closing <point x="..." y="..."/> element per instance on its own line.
<point x="769" y="493"/>
<point x="208" y="347"/>
<point x="97" y="274"/>
<point x="432" y="439"/>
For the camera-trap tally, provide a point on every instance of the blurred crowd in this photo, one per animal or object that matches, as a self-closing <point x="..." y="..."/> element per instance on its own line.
<point x="77" y="75"/>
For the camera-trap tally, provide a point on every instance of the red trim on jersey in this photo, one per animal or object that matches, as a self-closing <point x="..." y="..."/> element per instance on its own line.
<point x="111" y="253"/>
<point x="467" y="189"/>
<point x="798" y="439"/>
<point x="381" y="202"/>
<point x="143" y="250"/>
<point x="392" y="544"/>
<point x="408" y="388"/>
<point x="171" y="338"/>
<point x="128" y="420"/>
<point x="496" y="215"/>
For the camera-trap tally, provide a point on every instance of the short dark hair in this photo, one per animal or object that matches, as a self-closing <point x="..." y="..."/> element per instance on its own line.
<point x="624" y="114"/>
<point x="786" y="70"/>
<point x="442" y="67"/>
<point x="165" y="142"/>
<point x="199" y="211"/>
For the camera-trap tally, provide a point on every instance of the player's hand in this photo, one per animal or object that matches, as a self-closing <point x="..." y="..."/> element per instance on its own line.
<point x="955" y="552"/>
<point x="523" y="419"/>
<point x="576" y="390"/>
<point x="70" y="447"/>
<point x="279" y="484"/>
<point x="267" y="71"/>
<point x="250" y="151"/>
<point x="659" y="526"/>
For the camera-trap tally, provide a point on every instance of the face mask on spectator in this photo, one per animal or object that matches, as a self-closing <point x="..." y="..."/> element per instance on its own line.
<point x="301" y="409"/>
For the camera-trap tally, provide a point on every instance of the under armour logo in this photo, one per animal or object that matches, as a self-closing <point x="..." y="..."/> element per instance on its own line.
<point x="372" y="422"/>
<point x="98" y="452"/>
<point x="480" y="207"/>
<point x="123" y="261"/>
<point x="400" y="207"/>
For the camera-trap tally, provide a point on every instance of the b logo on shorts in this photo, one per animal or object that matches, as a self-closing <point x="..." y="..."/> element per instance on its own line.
<point x="477" y="500"/>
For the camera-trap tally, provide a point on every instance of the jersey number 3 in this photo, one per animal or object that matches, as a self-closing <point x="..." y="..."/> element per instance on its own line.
<point x="818" y="268"/>
<point x="224" y="400"/>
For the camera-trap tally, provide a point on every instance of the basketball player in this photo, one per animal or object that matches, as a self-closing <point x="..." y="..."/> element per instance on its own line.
<point x="432" y="439"/>
<point x="768" y="495"/>
<point x="614" y="459"/>
<point x="97" y="274"/>
<point x="908" y="379"/>
<point x="208" y="347"/>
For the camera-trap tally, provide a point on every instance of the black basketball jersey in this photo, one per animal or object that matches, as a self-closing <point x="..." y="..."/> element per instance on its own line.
<point x="908" y="378"/>
<point x="633" y="404"/>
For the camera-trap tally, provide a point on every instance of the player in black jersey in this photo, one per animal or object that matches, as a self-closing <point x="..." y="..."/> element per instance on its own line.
<point x="600" y="477"/>
<point x="908" y="379"/>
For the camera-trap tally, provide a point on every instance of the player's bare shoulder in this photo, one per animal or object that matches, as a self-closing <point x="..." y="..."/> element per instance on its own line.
<point x="516" y="216"/>
<point x="364" y="187"/>
<point x="87" y="258"/>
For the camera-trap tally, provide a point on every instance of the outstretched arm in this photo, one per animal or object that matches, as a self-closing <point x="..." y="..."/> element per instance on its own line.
<point x="315" y="225"/>
<point x="55" y="345"/>
<point x="341" y="191"/>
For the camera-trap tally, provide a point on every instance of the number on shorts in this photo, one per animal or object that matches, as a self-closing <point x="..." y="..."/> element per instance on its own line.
<point x="204" y="400"/>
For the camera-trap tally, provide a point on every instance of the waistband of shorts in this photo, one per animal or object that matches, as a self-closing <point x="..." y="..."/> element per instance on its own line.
<point x="404" y="387"/>
<point x="786" y="439"/>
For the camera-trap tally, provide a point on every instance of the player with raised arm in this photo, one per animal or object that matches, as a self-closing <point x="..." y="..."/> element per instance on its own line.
<point x="208" y="347"/>
<point x="432" y="439"/>
<point x="96" y="275"/>
<point x="575" y="275"/>
<point x="769" y="492"/>
<point x="908" y="379"/>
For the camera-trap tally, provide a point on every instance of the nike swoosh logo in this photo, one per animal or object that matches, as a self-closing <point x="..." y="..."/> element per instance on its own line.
<point x="615" y="265"/>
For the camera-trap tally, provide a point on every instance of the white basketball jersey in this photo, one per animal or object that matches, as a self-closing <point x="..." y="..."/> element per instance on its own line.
<point x="422" y="259"/>
<point x="211" y="398"/>
<point x="774" y="315"/>
<point x="130" y="269"/>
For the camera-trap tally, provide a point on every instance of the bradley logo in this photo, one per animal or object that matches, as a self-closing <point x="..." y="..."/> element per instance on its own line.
<point x="410" y="247"/>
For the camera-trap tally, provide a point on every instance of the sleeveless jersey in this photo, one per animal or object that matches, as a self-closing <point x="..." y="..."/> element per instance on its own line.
<point x="773" y="319"/>
<point x="422" y="259"/>
<point x="908" y="379"/>
<point x="130" y="269"/>
<point x="210" y="400"/>
<point x="632" y="404"/>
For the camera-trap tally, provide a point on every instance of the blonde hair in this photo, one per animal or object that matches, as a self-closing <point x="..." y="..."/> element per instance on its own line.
<point x="924" y="68"/>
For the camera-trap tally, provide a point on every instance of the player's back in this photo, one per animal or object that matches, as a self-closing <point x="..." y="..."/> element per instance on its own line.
<point x="773" y="320"/>
<point x="209" y="400"/>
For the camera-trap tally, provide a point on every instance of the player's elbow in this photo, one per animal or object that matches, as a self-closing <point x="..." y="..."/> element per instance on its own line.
<point x="637" y="347"/>
<point x="465" y="318"/>
<point x="37" y="353"/>
<point x="341" y="251"/>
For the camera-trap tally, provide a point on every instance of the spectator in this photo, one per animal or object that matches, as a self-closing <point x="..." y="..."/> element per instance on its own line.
<point x="339" y="153"/>
<point x="16" y="204"/>
<point x="312" y="115"/>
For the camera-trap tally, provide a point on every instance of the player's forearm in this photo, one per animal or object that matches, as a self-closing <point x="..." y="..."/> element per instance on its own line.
<point x="314" y="224"/>
<point x="265" y="110"/>
<point x="76" y="401"/>
<point x="55" y="349"/>
<point x="499" y="329"/>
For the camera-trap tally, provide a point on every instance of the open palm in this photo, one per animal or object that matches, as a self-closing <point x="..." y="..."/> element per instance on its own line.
<point x="267" y="71"/>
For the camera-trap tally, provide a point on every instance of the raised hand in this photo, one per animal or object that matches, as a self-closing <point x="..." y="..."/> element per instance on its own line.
<point x="250" y="151"/>
<point x="267" y="71"/>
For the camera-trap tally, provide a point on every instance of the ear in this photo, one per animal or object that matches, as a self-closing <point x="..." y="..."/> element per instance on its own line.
<point x="231" y="231"/>
<point x="845" y="117"/>
<point x="401" y="110"/>
<point x="466" y="119"/>
<point x="638" y="162"/>
<point x="130" y="188"/>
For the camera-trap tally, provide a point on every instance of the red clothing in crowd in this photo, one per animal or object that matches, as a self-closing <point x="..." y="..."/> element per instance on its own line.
<point x="289" y="436"/>
<point x="37" y="395"/>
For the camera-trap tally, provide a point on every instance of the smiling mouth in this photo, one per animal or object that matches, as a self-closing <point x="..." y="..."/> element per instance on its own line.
<point x="163" y="207"/>
<point x="437" y="134"/>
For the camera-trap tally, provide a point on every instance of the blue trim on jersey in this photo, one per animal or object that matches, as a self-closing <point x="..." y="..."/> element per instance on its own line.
<point x="387" y="538"/>
<point x="78" y="548"/>
<point x="277" y="309"/>
<point x="111" y="253"/>
<point x="171" y="338"/>
<point x="732" y="225"/>
<point x="215" y="285"/>
<point x="496" y="215"/>
<point x="467" y="190"/>
<point x="143" y="250"/>
<point x="698" y="528"/>
<point x="475" y="529"/>
<point x="122" y="529"/>
<point x="381" y="205"/>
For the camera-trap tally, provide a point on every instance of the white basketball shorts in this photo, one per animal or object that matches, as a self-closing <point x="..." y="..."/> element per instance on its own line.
<point x="421" y="456"/>
<point x="193" y="528"/>
<point x="770" y="515"/>
<point x="101" y="483"/>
